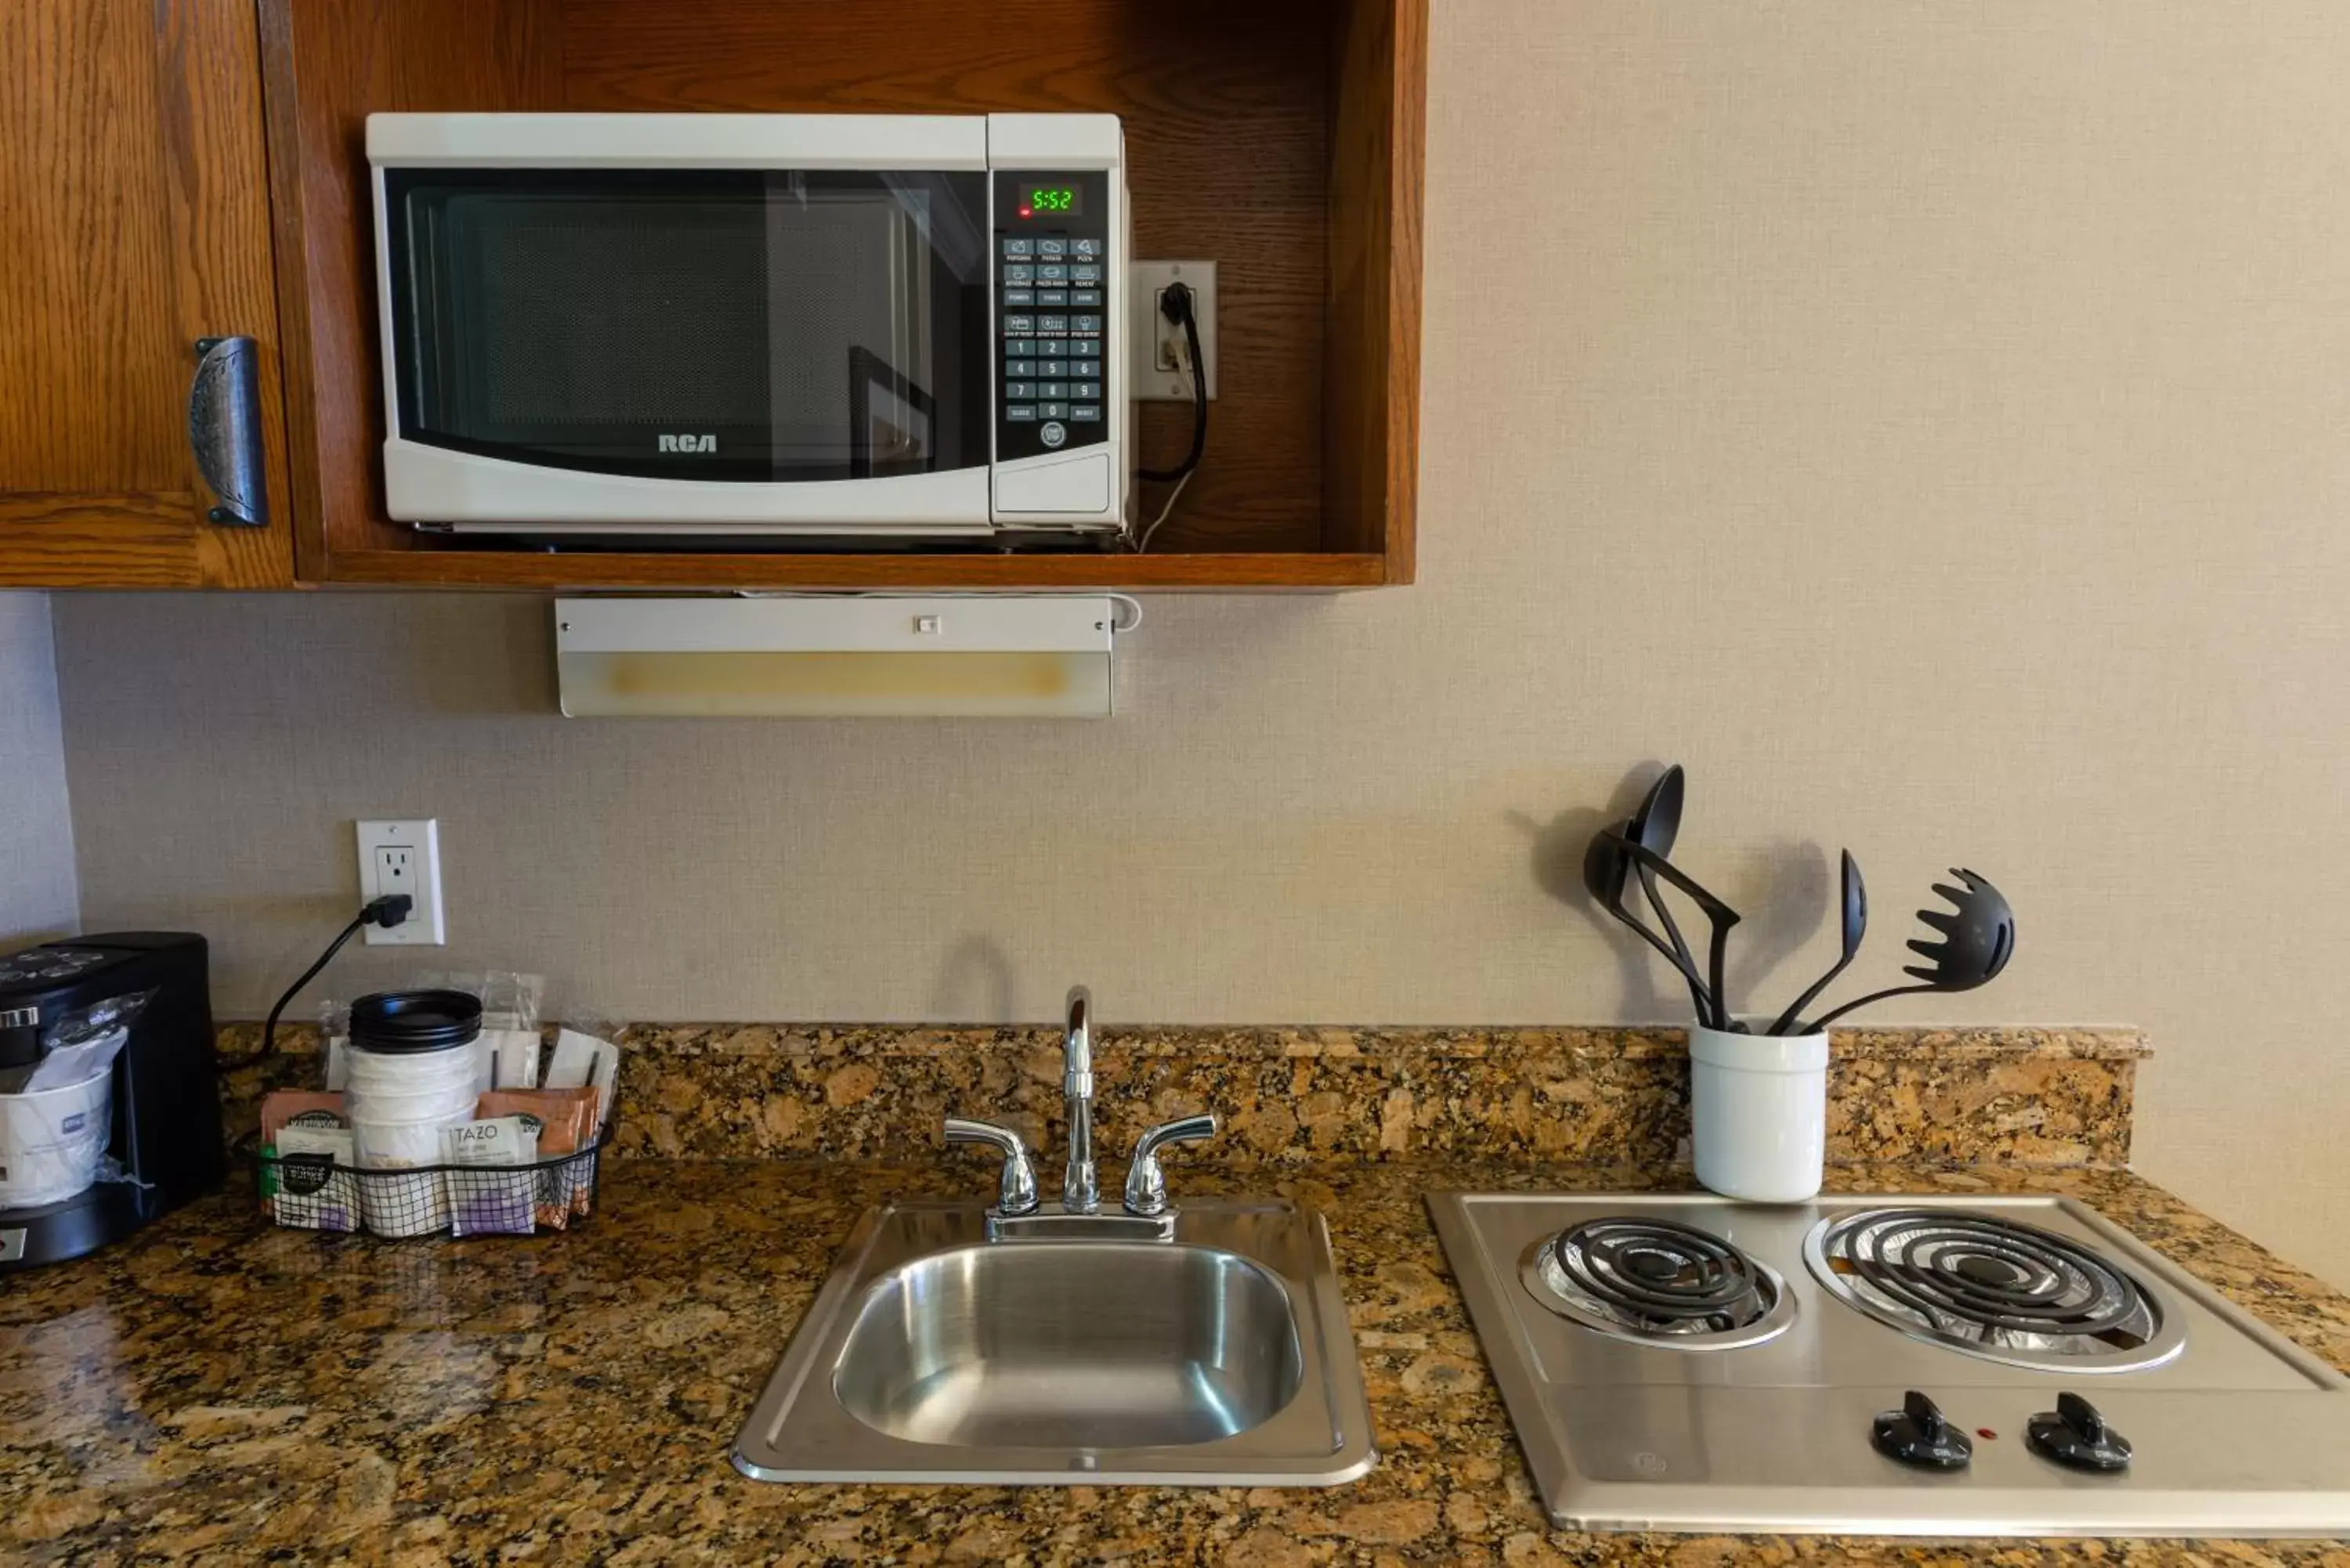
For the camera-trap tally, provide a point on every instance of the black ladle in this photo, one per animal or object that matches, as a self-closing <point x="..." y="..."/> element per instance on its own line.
<point x="1720" y="914"/>
<point x="1605" y="868"/>
<point x="1655" y="826"/>
<point x="1856" y="926"/>
<point x="1978" y="941"/>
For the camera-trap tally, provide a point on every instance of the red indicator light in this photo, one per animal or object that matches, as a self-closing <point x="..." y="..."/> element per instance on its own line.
<point x="1027" y="212"/>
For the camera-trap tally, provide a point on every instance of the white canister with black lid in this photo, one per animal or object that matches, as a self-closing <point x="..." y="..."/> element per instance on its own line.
<point x="413" y="1070"/>
<point x="413" y="1052"/>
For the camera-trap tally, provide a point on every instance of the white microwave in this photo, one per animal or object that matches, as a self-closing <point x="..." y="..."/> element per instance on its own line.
<point x="670" y="325"/>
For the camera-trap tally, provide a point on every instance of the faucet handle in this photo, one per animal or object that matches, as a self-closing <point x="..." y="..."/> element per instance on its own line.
<point x="1145" y="1184"/>
<point x="1017" y="1192"/>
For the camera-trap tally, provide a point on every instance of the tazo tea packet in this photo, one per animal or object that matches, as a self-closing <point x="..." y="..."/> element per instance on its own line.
<point x="491" y="1201"/>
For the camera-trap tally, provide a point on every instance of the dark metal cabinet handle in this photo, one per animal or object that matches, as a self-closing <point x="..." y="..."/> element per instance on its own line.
<point x="224" y="428"/>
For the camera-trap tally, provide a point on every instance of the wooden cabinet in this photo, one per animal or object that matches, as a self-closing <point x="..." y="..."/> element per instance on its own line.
<point x="134" y="220"/>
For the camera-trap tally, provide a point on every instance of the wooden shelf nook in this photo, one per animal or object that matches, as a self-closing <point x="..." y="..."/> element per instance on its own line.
<point x="1282" y="137"/>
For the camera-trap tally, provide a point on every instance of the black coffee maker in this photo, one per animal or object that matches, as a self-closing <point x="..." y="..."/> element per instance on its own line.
<point x="166" y="1095"/>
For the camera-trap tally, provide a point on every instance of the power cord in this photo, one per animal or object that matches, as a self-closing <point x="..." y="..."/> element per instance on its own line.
<point x="388" y="911"/>
<point x="1142" y="542"/>
<point x="1175" y="303"/>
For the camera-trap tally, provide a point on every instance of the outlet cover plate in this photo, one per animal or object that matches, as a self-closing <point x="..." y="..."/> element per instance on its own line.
<point x="404" y="856"/>
<point x="1145" y="281"/>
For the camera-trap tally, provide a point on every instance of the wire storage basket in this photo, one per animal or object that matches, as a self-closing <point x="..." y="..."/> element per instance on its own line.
<point x="315" y="1192"/>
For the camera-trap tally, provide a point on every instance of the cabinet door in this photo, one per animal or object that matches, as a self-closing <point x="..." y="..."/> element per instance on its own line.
<point x="134" y="220"/>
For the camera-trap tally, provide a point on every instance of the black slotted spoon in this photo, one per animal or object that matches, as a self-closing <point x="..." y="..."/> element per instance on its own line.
<point x="1977" y="942"/>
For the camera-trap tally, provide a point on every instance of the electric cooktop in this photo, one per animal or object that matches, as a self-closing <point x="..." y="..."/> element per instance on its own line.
<point x="1872" y="1366"/>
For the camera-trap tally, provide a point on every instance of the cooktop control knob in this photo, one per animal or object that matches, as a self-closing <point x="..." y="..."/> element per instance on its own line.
<point x="2074" y="1433"/>
<point x="1919" y="1434"/>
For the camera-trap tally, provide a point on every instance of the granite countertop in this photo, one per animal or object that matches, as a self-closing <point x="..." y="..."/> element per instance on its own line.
<point x="218" y="1391"/>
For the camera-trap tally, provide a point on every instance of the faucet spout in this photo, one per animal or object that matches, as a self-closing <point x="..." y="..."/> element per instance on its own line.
<point x="1080" y="1188"/>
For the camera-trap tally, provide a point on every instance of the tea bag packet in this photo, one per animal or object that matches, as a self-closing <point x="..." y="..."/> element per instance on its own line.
<point x="562" y="1118"/>
<point x="306" y="1160"/>
<point x="281" y="1108"/>
<point x="586" y="1057"/>
<point x="310" y="1185"/>
<point x="334" y="1041"/>
<point x="510" y="1004"/>
<point x="490" y="1196"/>
<point x="515" y="1054"/>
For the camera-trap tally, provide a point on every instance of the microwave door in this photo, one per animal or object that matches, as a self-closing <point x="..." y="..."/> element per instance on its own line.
<point x="800" y="350"/>
<point x="850" y="278"/>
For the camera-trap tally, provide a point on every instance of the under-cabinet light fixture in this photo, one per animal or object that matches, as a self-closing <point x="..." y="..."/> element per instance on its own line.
<point x="827" y="657"/>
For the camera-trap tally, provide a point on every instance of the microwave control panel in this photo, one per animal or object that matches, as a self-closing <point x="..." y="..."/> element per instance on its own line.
<point x="1052" y="312"/>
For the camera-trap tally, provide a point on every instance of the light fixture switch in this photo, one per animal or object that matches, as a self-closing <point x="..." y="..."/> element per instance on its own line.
<point x="404" y="856"/>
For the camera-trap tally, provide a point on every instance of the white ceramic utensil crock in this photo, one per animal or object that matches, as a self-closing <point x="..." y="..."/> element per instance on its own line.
<point x="1758" y="1113"/>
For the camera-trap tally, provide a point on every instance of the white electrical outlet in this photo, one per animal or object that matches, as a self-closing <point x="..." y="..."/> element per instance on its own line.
<point x="1153" y="340"/>
<point x="404" y="857"/>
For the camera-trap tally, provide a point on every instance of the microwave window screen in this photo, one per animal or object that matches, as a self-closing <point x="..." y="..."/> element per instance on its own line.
<point x="846" y="292"/>
<point x="715" y="324"/>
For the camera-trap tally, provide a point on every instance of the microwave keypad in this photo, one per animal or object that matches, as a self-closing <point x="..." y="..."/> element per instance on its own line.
<point x="1052" y="307"/>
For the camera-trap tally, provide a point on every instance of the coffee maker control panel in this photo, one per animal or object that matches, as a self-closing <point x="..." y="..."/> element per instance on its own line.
<point x="47" y="963"/>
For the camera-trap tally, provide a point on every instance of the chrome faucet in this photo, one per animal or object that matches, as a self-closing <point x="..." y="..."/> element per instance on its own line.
<point x="1080" y="1191"/>
<point x="1017" y="1214"/>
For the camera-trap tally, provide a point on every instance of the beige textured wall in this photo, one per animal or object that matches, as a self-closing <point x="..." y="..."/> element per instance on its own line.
<point x="36" y="852"/>
<point x="1930" y="422"/>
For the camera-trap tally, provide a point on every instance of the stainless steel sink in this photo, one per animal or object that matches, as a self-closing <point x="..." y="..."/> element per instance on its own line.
<point x="1220" y="1357"/>
<point x="1071" y="1345"/>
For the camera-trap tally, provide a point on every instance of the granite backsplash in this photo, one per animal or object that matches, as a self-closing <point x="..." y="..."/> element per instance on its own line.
<point x="1291" y="1097"/>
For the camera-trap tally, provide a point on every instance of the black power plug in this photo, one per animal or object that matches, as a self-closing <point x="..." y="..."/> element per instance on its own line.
<point x="1175" y="303"/>
<point x="391" y="910"/>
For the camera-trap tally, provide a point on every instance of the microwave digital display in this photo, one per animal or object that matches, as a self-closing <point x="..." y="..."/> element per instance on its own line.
<point x="1052" y="201"/>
